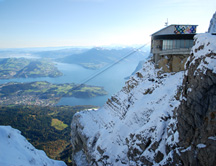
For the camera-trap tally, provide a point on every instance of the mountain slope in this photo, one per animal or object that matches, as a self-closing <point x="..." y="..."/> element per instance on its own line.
<point x="16" y="150"/>
<point x="156" y="119"/>
<point x="133" y="119"/>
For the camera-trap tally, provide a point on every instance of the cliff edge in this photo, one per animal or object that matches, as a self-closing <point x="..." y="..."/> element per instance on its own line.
<point x="16" y="150"/>
<point x="157" y="118"/>
<point x="197" y="111"/>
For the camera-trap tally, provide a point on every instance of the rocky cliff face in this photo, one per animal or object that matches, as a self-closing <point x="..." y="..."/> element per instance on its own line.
<point x="156" y="119"/>
<point x="197" y="111"/>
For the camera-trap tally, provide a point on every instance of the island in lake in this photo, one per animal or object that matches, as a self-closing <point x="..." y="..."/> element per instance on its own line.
<point x="24" y="68"/>
<point x="44" y="93"/>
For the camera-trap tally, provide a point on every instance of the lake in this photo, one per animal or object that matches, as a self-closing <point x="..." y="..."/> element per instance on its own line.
<point x="112" y="80"/>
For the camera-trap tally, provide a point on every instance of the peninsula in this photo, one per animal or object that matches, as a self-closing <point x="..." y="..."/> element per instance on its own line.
<point x="24" y="68"/>
<point x="44" y="93"/>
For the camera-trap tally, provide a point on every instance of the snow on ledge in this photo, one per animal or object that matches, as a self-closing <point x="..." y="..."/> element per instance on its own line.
<point x="205" y="49"/>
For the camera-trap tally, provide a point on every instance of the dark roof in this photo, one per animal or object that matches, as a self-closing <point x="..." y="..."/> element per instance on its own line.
<point x="161" y="29"/>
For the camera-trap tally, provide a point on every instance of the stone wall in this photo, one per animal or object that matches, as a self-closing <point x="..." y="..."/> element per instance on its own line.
<point x="172" y="63"/>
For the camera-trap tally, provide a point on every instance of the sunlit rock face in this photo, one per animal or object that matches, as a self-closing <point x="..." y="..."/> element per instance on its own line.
<point x="157" y="118"/>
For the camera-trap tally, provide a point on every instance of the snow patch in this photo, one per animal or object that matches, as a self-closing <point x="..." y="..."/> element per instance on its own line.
<point x="187" y="149"/>
<point x="212" y="138"/>
<point x="80" y="158"/>
<point x="201" y="146"/>
<point x="16" y="150"/>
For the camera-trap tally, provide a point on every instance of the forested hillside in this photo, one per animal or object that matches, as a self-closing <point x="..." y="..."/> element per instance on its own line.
<point x="47" y="128"/>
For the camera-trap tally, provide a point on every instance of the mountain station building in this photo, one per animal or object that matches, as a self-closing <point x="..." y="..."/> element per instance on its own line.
<point x="172" y="43"/>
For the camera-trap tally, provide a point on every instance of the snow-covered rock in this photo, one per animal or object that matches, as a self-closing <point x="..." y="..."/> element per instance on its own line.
<point x="212" y="26"/>
<point x="204" y="50"/>
<point x="126" y="130"/>
<point x="15" y="150"/>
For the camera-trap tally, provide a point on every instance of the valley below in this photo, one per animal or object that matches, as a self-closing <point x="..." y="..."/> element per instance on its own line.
<point x="40" y="92"/>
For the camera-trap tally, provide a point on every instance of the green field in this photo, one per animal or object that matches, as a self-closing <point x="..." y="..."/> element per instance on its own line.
<point x="59" y="125"/>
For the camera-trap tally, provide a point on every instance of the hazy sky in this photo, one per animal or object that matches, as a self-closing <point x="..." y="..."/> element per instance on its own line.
<point x="42" y="23"/>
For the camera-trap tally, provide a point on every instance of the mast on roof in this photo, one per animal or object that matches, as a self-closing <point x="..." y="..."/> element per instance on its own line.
<point x="166" y="23"/>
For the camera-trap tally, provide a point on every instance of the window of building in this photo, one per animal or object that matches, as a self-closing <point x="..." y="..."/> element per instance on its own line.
<point x="176" y="44"/>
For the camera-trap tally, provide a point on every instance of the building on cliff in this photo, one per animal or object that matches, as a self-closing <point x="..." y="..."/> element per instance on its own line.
<point x="172" y="43"/>
<point x="157" y="118"/>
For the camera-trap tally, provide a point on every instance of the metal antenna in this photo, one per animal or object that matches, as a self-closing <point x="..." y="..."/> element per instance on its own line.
<point x="166" y="23"/>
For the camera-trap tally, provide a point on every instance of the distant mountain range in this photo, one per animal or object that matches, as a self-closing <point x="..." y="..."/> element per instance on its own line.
<point x="91" y="58"/>
<point x="61" y="53"/>
<point x="99" y="57"/>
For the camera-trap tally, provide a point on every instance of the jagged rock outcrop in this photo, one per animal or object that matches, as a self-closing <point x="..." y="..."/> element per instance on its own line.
<point x="212" y="26"/>
<point x="157" y="118"/>
<point x="197" y="111"/>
